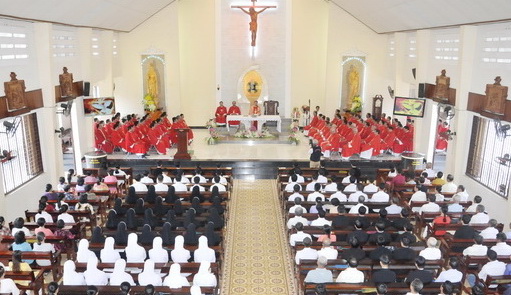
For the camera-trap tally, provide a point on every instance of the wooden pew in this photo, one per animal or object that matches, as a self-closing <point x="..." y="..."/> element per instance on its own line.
<point x="368" y="287"/>
<point x="30" y="215"/>
<point x="69" y="244"/>
<point x="500" y="281"/>
<point x="114" y="290"/>
<point x="54" y="259"/>
<point x="36" y="283"/>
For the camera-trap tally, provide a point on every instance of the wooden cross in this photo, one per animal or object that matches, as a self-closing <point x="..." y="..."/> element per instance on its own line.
<point x="253" y="17"/>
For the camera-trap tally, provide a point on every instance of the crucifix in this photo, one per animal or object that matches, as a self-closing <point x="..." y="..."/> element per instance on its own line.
<point x="253" y="17"/>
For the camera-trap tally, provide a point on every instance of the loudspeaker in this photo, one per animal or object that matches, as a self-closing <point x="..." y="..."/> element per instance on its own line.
<point x="86" y="89"/>
<point x="422" y="90"/>
<point x="414" y="73"/>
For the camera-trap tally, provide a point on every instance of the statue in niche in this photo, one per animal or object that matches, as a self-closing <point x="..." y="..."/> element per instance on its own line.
<point x="442" y="86"/>
<point x="66" y="83"/>
<point x="353" y="85"/>
<point x="496" y="95"/>
<point x="15" y="93"/>
<point x="152" y="83"/>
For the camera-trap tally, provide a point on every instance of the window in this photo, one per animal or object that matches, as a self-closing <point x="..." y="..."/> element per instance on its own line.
<point x="447" y="48"/>
<point x="64" y="43"/>
<point x="487" y="149"/>
<point x="14" y="40"/>
<point x="412" y="47"/>
<point x="95" y="43"/>
<point x="21" y="140"/>
<point x="497" y="47"/>
<point x="392" y="48"/>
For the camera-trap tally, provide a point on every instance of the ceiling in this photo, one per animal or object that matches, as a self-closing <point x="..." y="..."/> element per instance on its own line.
<point x="382" y="16"/>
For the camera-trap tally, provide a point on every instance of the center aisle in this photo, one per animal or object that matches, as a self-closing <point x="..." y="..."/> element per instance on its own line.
<point x="257" y="258"/>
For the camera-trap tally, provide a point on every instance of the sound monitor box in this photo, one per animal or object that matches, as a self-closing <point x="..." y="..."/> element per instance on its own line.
<point x="86" y="89"/>
<point x="422" y="90"/>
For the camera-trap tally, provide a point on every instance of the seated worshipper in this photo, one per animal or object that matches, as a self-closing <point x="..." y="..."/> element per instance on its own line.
<point x="341" y="220"/>
<point x="160" y="186"/>
<point x="298" y="204"/>
<point x="84" y="205"/>
<point x="50" y="193"/>
<point x="108" y="254"/>
<point x="307" y="252"/>
<point x="221" y="187"/>
<point x="19" y="225"/>
<point x="121" y="235"/>
<point x="321" y="220"/>
<point x="443" y="219"/>
<point x="91" y="196"/>
<point x="478" y="249"/>
<point x="370" y="187"/>
<point x="383" y="218"/>
<point x="62" y="232"/>
<point x="380" y="196"/>
<point x="112" y="218"/>
<point x="362" y="211"/>
<point x="41" y="222"/>
<point x="419" y="195"/>
<point x="70" y="277"/>
<point x="311" y="185"/>
<point x="214" y="217"/>
<point x="438" y="194"/>
<point x="196" y="205"/>
<point x="480" y="217"/>
<point x="455" y="207"/>
<point x="314" y="209"/>
<point x="332" y="206"/>
<point x="16" y="264"/>
<point x="381" y="289"/>
<point x="339" y="195"/>
<point x="83" y="254"/>
<point x="80" y="185"/>
<point x="146" y="179"/>
<point x="299" y="236"/>
<point x="431" y="252"/>
<point x="214" y="238"/>
<point x="7" y="286"/>
<point x="416" y="286"/>
<point x="475" y="203"/>
<point x="43" y="214"/>
<point x="132" y="197"/>
<point x="316" y="194"/>
<point x="380" y="250"/>
<point x="119" y="275"/>
<point x="100" y="186"/>
<point x="449" y="186"/>
<point x="4" y="230"/>
<point x="490" y="233"/>
<point x="204" y="277"/>
<point x="203" y="252"/>
<point x="491" y="268"/>
<point x="94" y="276"/>
<point x="21" y="244"/>
<point x="452" y="274"/>
<point x="328" y="251"/>
<point x="332" y="185"/>
<point x="502" y="248"/>
<point x="139" y="207"/>
<point x="357" y="194"/>
<point x="175" y="280"/>
<point x="291" y="185"/>
<point x="404" y="253"/>
<point x="179" y="254"/>
<point x="407" y="233"/>
<point x="198" y="173"/>
<point x="438" y="181"/>
<point x="355" y="251"/>
<point x="41" y="246"/>
<point x="465" y="231"/>
<point x="134" y="252"/>
<point x="149" y="276"/>
<point x="146" y="237"/>
<point x="157" y="253"/>
<point x="320" y="274"/>
<point x="222" y="179"/>
<point x="90" y="178"/>
<point x="139" y="186"/>
<point x="401" y="222"/>
<point x="296" y="194"/>
<point x="430" y="206"/>
<point x="190" y="235"/>
<point x="216" y="203"/>
<point x="196" y="181"/>
<point x="380" y="232"/>
<point x="321" y="176"/>
<point x="360" y="204"/>
<point x="420" y="273"/>
<point x="329" y="234"/>
<point x="394" y="207"/>
<point x="97" y="236"/>
<point x="297" y="218"/>
<point x="460" y="191"/>
<point x="351" y="274"/>
<point x="384" y="275"/>
<point x="178" y="185"/>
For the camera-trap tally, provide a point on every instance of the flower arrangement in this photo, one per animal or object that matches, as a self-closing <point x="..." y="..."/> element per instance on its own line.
<point x="213" y="132"/>
<point x="149" y="103"/>
<point x="293" y="131"/>
<point x="356" y="105"/>
<point x="252" y="132"/>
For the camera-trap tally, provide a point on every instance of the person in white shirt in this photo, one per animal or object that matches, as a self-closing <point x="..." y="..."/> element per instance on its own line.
<point x="310" y="186"/>
<point x="41" y="246"/>
<point x="119" y="172"/>
<point x="394" y="208"/>
<point x="204" y="277"/>
<point x="299" y="236"/>
<point x="83" y="254"/>
<point x="424" y="179"/>
<point x="195" y="290"/>
<point x="296" y="194"/>
<point x="332" y="186"/>
<point x="354" y="209"/>
<point x="157" y="253"/>
<point x="108" y="254"/>
<point x="452" y="274"/>
<point x="450" y="186"/>
<point x="146" y="179"/>
<point x="312" y="197"/>
<point x="490" y="233"/>
<point x="299" y="177"/>
<point x="328" y="251"/>
<point x="179" y="254"/>
<point x="431" y="252"/>
<point x="460" y="191"/>
<point x="352" y="185"/>
<point x="429" y="170"/>
<point x="431" y="206"/>
<point x="322" y="179"/>
<point x="419" y="194"/>
<point x="149" y="276"/>
<point x="307" y="252"/>
<point x="438" y="194"/>
<point x="291" y="185"/>
<point x="298" y="204"/>
<point x="501" y="247"/>
<point x="166" y="178"/>
<point x="380" y="196"/>
<point x="119" y="275"/>
<point x="7" y="286"/>
<point x="354" y="197"/>
<point x="351" y="274"/>
<point x="70" y="277"/>
<point x="64" y="216"/>
<point x="43" y="214"/>
<point x="478" y="249"/>
<point x="203" y="252"/>
<point x="221" y="187"/>
<point x="160" y="186"/>
<point x="339" y="194"/>
<point x="297" y="218"/>
<point x="492" y="268"/>
<point x="139" y="186"/>
<point x="134" y="252"/>
<point x="473" y="207"/>
<point x="321" y="220"/>
<point x="196" y="181"/>
<point x="94" y="276"/>
<point x="175" y="280"/>
<point x="222" y="178"/>
<point x="370" y="187"/>
<point x="480" y="217"/>
<point x="178" y="185"/>
<point x="202" y="179"/>
<point x="19" y="225"/>
<point x="319" y="275"/>
<point x="181" y="178"/>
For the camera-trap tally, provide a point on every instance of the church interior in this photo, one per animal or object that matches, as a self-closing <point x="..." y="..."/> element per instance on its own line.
<point x="250" y="106"/>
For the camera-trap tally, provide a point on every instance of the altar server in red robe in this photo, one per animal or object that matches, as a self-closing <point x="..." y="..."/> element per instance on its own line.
<point x="312" y="124"/>
<point x="221" y="114"/>
<point x="407" y="139"/>
<point x="374" y="143"/>
<point x="182" y="124"/>
<point x="102" y="139"/>
<point x="117" y="137"/>
<point x="134" y="144"/>
<point x="442" y="129"/>
<point x="156" y="137"/>
<point x="234" y="110"/>
<point x="353" y="146"/>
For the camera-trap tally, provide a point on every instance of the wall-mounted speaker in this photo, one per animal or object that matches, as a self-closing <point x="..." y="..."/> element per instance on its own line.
<point x="86" y="89"/>
<point x="422" y="90"/>
<point x="414" y="73"/>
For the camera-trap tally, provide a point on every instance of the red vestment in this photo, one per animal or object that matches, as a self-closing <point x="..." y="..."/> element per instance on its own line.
<point x="134" y="144"/>
<point x="234" y="110"/>
<point x="352" y="147"/>
<point x="102" y="141"/>
<point x="220" y="115"/>
<point x="441" y="143"/>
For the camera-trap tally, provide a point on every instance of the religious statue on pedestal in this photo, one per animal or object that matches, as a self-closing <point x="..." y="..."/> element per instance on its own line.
<point x="353" y="85"/>
<point x="66" y="83"/>
<point x="151" y="100"/>
<point x="442" y="86"/>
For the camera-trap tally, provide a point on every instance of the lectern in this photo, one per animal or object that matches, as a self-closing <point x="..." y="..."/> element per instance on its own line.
<point x="182" y="145"/>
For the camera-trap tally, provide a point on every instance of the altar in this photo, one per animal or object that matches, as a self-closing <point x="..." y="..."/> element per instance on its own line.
<point x="247" y="120"/>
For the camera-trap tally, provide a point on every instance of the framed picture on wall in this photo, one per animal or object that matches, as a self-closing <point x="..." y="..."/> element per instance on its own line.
<point x="99" y="106"/>
<point x="412" y="107"/>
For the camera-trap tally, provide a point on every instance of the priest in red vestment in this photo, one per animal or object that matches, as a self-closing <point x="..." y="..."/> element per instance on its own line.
<point x="221" y="114"/>
<point x="134" y="144"/>
<point x="234" y="110"/>
<point x="442" y="129"/>
<point x="353" y="146"/>
<point x="103" y="139"/>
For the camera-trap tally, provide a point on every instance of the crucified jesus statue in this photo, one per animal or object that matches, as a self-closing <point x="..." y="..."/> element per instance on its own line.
<point x="253" y="17"/>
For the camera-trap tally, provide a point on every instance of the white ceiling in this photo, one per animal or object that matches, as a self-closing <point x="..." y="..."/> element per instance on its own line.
<point x="382" y="16"/>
